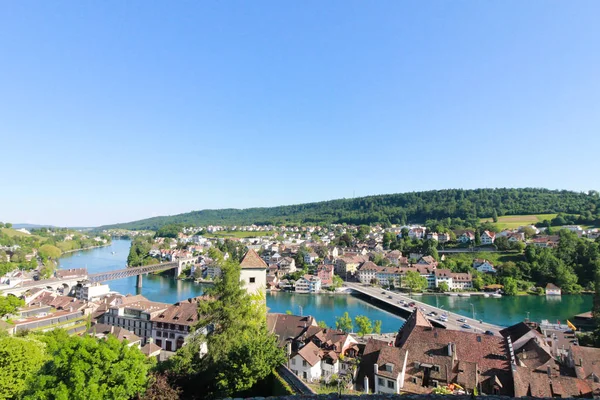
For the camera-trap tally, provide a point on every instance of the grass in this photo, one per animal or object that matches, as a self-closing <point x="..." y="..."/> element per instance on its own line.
<point x="514" y="221"/>
<point x="238" y="234"/>
<point x="493" y="257"/>
<point x="14" y="233"/>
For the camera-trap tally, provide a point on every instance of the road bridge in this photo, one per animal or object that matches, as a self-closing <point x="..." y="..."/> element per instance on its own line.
<point x="66" y="284"/>
<point x="394" y="299"/>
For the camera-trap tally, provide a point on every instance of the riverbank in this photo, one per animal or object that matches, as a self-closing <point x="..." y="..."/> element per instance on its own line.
<point x="85" y="248"/>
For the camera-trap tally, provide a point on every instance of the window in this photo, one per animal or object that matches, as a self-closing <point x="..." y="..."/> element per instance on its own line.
<point x="305" y="375"/>
<point x="158" y="333"/>
<point x="293" y="361"/>
<point x="435" y="368"/>
<point x="381" y="381"/>
<point x="390" y="384"/>
<point x="159" y="342"/>
<point x="253" y="280"/>
<point x="172" y="335"/>
<point x="304" y="363"/>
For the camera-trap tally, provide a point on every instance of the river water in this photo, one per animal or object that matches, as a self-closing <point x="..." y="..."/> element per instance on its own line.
<point x="505" y="311"/>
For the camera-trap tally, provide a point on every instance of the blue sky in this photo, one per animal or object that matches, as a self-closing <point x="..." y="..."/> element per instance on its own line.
<point x="115" y="111"/>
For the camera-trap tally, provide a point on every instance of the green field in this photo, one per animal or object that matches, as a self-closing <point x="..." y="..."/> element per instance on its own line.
<point x="14" y="233"/>
<point x="493" y="257"/>
<point x="514" y="221"/>
<point x="238" y="234"/>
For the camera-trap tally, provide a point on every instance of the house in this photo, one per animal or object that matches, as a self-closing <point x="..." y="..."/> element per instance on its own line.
<point x="173" y="325"/>
<point x="516" y="237"/>
<point x="213" y="271"/>
<point x="432" y="236"/>
<point x="487" y="238"/>
<point x="253" y="272"/>
<point x="443" y="276"/>
<point x="427" y="357"/>
<point x="272" y="282"/>
<point x="443" y="237"/>
<point x="466" y="237"/>
<point x="288" y="329"/>
<point x="546" y="241"/>
<point x="482" y="265"/>
<point x="461" y="281"/>
<point x="416" y="233"/>
<point x="135" y="314"/>
<point x="552" y="290"/>
<point x="395" y="257"/>
<point x="101" y="331"/>
<point x="309" y="258"/>
<point x="325" y="274"/>
<point x="287" y="264"/>
<point x="308" y="284"/>
<point x="347" y="265"/>
<point x="428" y="261"/>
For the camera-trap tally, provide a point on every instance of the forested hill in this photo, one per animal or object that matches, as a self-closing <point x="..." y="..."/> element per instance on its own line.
<point x="392" y="208"/>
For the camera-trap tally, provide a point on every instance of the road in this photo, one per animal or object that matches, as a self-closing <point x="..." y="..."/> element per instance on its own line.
<point x="455" y="321"/>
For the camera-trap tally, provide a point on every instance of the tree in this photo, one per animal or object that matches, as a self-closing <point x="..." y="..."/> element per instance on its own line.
<point x="169" y="231"/>
<point x="337" y="282"/>
<point x="344" y="323"/>
<point x="414" y="281"/>
<point x="529" y="232"/>
<point x="377" y="326"/>
<point x="443" y="287"/>
<point x="322" y="324"/>
<point x="510" y="286"/>
<point x="49" y="251"/>
<point x="20" y="359"/>
<point x="8" y="225"/>
<point x="240" y="350"/>
<point x="502" y="243"/>
<point x="85" y="368"/>
<point x="495" y="216"/>
<point x="477" y="238"/>
<point x="364" y="325"/>
<point x="160" y="389"/>
<point x="9" y="304"/>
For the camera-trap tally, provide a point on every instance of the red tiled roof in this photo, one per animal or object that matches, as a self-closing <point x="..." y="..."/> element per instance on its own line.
<point x="252" y="260"/>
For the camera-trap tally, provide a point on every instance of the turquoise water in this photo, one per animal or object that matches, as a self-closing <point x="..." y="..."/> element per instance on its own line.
<point x="504" y="311"/>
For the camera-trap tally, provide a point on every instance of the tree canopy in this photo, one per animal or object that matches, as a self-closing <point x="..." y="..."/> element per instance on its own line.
<point x="20" y="359"/>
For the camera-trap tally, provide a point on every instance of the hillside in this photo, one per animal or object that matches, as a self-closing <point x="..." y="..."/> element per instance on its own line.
<point x="393" y="208"/>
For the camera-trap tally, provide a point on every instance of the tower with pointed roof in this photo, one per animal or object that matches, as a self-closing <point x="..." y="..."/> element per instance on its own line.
<point x="253" y="272"/>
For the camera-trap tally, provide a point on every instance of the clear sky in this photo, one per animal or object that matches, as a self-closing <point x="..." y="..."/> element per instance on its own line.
<point x="112" y="111"/>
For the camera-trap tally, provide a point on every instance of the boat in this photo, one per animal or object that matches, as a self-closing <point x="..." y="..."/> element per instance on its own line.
<point x="496" y="295"/>
<point x="464" y="295"/>
<point x="486" y="295"/>
<point x="113" y="253"/>
<point x="452" y="294"/>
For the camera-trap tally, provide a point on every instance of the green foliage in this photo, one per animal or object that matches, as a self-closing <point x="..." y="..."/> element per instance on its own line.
<point x="240" y="350"/>
<point x="443" y="287"/>
<point x="364" y="325"/>
<point x="377" y="326"/>
<point x="344" y="323"/>
<point x="49" y="251"/>
<point x="510" y="286"/>
<point x="20" y="359"/>
<point x="337" y="282"/>
<point x="9" y="304"/>
<point x="414" y="281"/>
<point x="138" y="252"/>
<point x="394" y="208"/>
<point x="169" y="231"/>
<point x="322" y="324"/>
<point x="87" y="368"/>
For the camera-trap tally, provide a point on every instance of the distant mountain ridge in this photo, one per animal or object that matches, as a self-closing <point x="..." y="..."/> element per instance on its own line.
<point x="391" y="208"/>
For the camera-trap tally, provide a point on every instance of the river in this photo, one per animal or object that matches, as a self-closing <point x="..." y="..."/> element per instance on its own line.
<point x="505" y="311"/>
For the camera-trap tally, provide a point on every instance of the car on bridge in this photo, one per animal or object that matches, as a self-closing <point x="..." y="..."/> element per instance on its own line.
<point x="411" y="304"/>
<point x="461" y="320"/>
<point x="466" y="326"/>
<point x="489" y="333"/>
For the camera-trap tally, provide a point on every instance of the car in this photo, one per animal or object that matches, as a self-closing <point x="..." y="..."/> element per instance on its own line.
<point x="443" y="319"/>
<point x="431" y="314"/>
<point x="461" y="320"/>
<point x="466" y="326"/>
<point x="423" y="309"/>
<point x="489" y="333"/>
<point x="383" y="292"/>
<point x="411" y="304"/>
<point x="389" y="297"/>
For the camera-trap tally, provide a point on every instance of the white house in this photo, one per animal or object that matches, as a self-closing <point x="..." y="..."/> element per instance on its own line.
<point x="488" y="237"/>
<point x="306" y="362"/>
<point x="466" y="237"/>
<point x="309" y="258"/>
<point x="553" y="290"/>
<point x="483" y="266"/>
<point x="253" y="272"/>
<point x="461" y="281"/>
<point x="443" y="276"/>
<point x="308" y="284"/>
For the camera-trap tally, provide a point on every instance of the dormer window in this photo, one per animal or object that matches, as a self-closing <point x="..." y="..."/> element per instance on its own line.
<point x="389" y="367"/>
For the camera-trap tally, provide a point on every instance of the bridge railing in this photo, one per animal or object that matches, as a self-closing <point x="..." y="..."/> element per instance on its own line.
<point x="127" y="272"/>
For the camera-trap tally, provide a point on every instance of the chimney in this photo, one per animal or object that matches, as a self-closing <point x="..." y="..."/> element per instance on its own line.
<point x="581" y="362"/>
<point x="549" y="370"/>
<point x="366" y="385"/>
<point x="375" y="372"/>
<point x="289" y="349"/>
<point x="450" y="349"/>
<point x="453" y="354"/>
